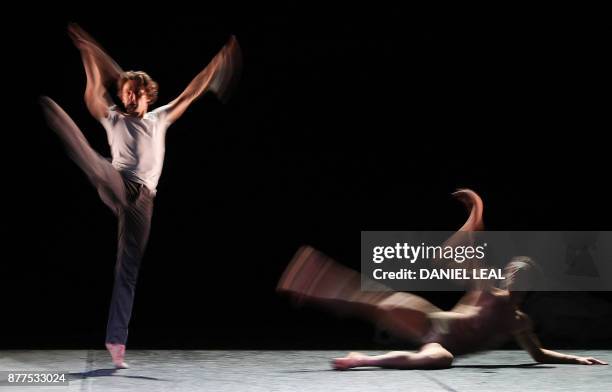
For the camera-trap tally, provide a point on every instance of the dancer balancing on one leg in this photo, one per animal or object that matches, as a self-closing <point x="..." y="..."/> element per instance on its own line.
<point x="136" y="136"/>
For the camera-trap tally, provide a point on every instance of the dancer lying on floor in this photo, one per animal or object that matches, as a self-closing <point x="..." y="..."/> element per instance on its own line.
<point x="483" y="319"/>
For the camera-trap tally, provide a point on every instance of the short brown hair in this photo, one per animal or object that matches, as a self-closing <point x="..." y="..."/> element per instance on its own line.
<point x="143" y="81"/>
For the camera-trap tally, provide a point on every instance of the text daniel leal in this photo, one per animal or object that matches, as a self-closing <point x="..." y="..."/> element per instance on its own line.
<point x="440" y="273"/>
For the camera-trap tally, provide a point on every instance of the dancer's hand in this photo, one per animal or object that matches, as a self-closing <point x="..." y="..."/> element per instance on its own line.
<point x="219" y="77"/>
<point x="588" y="361"/>
<point x="78" y="36"/>
<point x="101" y="70"/>
<point x="85" y="43"/>
<point x="530" y="342"/>
<point x="550" y="356"/>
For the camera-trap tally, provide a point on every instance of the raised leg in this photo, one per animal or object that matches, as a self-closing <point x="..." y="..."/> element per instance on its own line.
<point x="103" y="176"/>
<point x="313" y="277"/>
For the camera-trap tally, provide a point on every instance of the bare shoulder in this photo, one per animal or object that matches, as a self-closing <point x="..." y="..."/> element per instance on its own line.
<point x="521" y="322"/>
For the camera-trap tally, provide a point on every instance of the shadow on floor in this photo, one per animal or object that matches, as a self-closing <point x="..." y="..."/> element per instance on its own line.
<point x="110" y="372"/>
<point x="521" y="366"/>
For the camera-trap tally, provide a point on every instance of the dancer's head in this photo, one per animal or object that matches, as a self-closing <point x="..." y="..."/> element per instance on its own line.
<point x="137" y="91"/>
<point x="520" y="274"/>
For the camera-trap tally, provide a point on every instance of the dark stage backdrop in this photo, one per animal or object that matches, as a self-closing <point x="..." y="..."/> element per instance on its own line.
<point x="341" y="123"/>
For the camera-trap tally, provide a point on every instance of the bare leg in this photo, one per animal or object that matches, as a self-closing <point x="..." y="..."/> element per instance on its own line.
<point x="430" y="356"/>
<point x="315" y="278"/>
<point x="474" y="203"/>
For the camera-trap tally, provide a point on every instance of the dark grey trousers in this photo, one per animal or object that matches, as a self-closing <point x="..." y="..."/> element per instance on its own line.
<point x="130" y="201"/>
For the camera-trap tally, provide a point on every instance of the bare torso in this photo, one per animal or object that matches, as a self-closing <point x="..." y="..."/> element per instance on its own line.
<point x="481" y="320"/>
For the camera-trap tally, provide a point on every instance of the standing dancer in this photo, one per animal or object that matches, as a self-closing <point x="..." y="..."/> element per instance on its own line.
<point x="136" y="136"/>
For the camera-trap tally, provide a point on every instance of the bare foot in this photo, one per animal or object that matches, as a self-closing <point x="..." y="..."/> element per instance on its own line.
<point x="352" y="360"/>
<point x="117" y="352"/>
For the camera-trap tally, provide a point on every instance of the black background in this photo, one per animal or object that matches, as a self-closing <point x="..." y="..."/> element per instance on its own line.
<point x="356" y="120"/>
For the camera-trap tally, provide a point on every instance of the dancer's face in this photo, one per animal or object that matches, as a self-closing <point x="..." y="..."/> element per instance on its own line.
<point x="133" y="100"/>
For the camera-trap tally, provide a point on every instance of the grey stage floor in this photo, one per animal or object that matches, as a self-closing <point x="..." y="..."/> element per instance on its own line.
<point x="183" y="370"/>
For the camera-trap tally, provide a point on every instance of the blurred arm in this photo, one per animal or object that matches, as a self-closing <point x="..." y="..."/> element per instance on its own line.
<point x="223" y="67"/>
<point x="100" y="69"/>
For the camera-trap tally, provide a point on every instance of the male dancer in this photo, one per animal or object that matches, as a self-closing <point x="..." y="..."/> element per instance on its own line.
<point x="137" y="141"/>
<point x="483" y="318"/>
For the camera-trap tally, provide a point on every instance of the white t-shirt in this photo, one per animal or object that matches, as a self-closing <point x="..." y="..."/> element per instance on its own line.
<point x="137" y="144"/>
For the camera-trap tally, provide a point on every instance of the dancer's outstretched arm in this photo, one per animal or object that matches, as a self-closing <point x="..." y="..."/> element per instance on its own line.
<point x="100" y="69"/>
<point x="529" y="341"/>
<point x="216" y="77"/>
